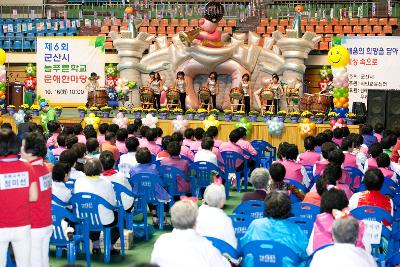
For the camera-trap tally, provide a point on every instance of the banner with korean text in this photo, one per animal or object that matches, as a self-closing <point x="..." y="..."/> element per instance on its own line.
<point x="64" y="65"/>
<point x="374" y="65"/>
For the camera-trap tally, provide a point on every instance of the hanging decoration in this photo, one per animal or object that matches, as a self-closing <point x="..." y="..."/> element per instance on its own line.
<point x="19" y="117"/>
<point x="150" y="121"/>
<point x="30" y="70"/>
<point x="307" y="128"/>
<point x="180" y="124"/>
<point x="121" y="120"/>
<point x="339" y="57"/>
<point x="275" y="126"/>
<point x="244" y="124"/>
<point x="339" y="123"/>
<point x="30" y="84"/>
<point x="210" y="121"/>
<point x="111" y="70"/>
<point x="92" y="120"/>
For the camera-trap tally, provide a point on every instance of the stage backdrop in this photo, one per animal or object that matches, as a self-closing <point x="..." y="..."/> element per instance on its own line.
<point x="63" y="66"/>
<point x="374" y="65"/>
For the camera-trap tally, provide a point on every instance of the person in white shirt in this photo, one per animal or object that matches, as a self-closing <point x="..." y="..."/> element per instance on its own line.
<point x="92" y="146"/>
<point x="93" y="183"/>
<point x="343" y="252"/>
<point x="205" y="153"/>
<point x="184" y="246"/>
<point x="110" y="174"/>
<point x="212" y="220"/>
<point x="128" y="160"/>
<point x="60" y="175"/>
<point x="70" y="157"/>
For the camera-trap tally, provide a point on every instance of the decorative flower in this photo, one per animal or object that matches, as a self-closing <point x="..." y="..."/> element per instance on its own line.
<point x="282" y="113"/>
<point x="332" y="114"/>
<point x="177" y="110"/>
<point x="210" y="121"/>
<point x="122" y="109"/>
<point x="320" y="115"/>
<point x="239" y="112"/>
<point x="111" y="82"/>
<point x="254" y="112"/>
<point x="137" y="109"/>
<point x="269" y="113"/>
<point x="307" y="128"/>
<point x="201" y="111"/>
<point x="275" y="127"/>
<point x="190" y="111"/>
<point x="151" y="110"/>
<point x="227" y="111"/>
<point x="132" y="85"/>
<point x="294" y="114"/>
<point x="24" y="106"/>
<point x="94" y="109"/>
<point x="150" y="121"/>
<point x="92" y="120"/>
<point x="306" y="114"/>
<point x="245" y="124"/>
<point x="106" y="109"/>
<point x="214" y="111"/>
<point x="111" y="70"/>
<point x="19" y="117"/>
<point x="351" y="115"/>
<point x="163" y="110"/>
<point x="180" y="124"/>
<point x="58" y="108"/>
<point x="121" y="120"/>
<point x="30" y="70"/>
<point x="82" y="108"/>
<point x="35" y="107"/>
<point x="10" y="106"/>
<point x="30" y="83"/>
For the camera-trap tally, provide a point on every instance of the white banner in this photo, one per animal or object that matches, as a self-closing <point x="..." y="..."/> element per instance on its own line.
<point x="374" y="65"/>
<point x="64" y="65"/>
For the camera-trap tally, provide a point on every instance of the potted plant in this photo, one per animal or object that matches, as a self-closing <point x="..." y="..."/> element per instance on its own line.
<point x="35" y="110"/>
<point x="163" y="113"/>
<point x="294" y="116"/>
<point x="177" y="111"/>
<point x="350" y="118"/>
<point x="11" y="109"/>
<point x="281" y="115"/>
<point x="228" y="115"/>
<point x="201" y="114"/>
<point x="105" y="111"/>
<point x="123" y="110"/>
<point x="58" y="110"/>
<point x="152" y="111"/>
<point x="214" y="112"/>
<point x="24" y="107"/>
<point x="137" y="112"/>
<point x="82" y="111"/>
<point x="319" y="118"/>
<point x="239" y="114"/>
<point x="190" y="113"/>
<point x="332" y="116"/>
<point x="268" y="115"/>
<point x="94" y="110"/>
<point x="253" y="115"/>
<point x="306" y="114"/>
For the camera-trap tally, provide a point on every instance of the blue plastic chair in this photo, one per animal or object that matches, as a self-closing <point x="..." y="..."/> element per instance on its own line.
<point x="305" y="210"/>
<point x="229" y="160"/>
<point x="169" y="175"/>
<point x="87" y="206"/>
<point x="309" y="170"/>
<point x="26" y="45"/>
<point x="253" y="208"/>
<point x="186" y="158"/>
<point x="224" y="247"/>
<point x="202" y="173"/>
<point x="10" y="262"/>
<point x="269" y="253"/>
<point x="241" y="223"/>
<point x="119" y="190"/>
<point x="300" y="186"/>
<point x="389" y="187"/>
<point x="306" y="224"/>
<point x="355" y="174"/>
<point x="59" y="240"/>
<point x="266" y="153"/>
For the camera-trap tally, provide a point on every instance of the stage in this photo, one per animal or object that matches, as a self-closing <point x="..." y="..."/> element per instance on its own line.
<point x="290" y="133"/>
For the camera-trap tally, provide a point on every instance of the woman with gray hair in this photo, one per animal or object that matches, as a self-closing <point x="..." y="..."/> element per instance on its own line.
<point x="212" y="221"/>
<point x="259" y="179"/>
<point x="184" y="246"/>
<point x="344" y="252"/>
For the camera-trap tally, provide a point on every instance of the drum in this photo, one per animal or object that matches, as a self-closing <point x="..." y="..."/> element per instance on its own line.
<point x="98" y="98"/>
<point x="266" y="95"/>
<point x="146" y="94"/>
<point x="172" y="94"/>
<point x="236" y="93"/>
<point x="305" y="102"/>
<point x="320" y="103"/>
<point x="204" y="94"/>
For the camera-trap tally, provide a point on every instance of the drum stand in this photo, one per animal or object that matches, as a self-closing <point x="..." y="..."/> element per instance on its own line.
<point x="237" y="104"/>
<point x="265" y="107"/>
<point x="291" y="106"/>
<point x="205" y="105"/>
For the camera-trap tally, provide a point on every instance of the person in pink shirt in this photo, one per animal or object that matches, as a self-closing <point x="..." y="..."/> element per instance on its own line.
<point x="295" y="170"/>
<point x="338" y="136"/>
<point x="244" y="144"/>
<point x="164" y="144"/>
<point x="159" y="135"/>
<point x="54" y="130"/>
<point x="374" y="150"/>
<point x="350" y="160"/>
<point x="189" y="134"/>
<point x="185" y="151"/>
<point x="378" y="130"/>
<point x="122" y="134"/>
<point x="142" y="139"/>
<point x="78" y="132"/>
<point x="198" y="134"/>
<point x="310" y="157"/>
<point x="132" y="130"/>
<point x="234" y="136"/>
<point x="151" y="136"/>
<point x="61" y="146"/>
<point x="320" y="165"/>
<point x="383" y="162"/>
<point x="337" y="157"/>
<point x="281" y="153"/>
<point x="102" y="130"/>
<point x="212" y="132"/>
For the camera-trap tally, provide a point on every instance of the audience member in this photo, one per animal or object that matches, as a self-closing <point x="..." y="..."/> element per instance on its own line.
<point x="383" y="162"/>
<point x="142" y="140"/>
<point x="113" y="128"/>
<point x="368" y="135"/>
<point x="374" y="150"/>
<point x="80" y="150"/>
<point x="346" y="132"/>
<point x="245" y="145"/>
<point x="388" y="142"/>
<point x="54" y="130"/>
<point x="151" y="135"/>
<point x="159" y="136"/>
<point x="92" y="146"/>
<point x="70" y="140"/>
<point x="185" y="151"/>
<point x="198" y="135"/>
<point x="128" y="160"/>
<point x="132" y="130"/>
<point x="278" y="172"/>
<point x="89" y="132"/>
<point x="310" y="157"/>
<point x="314" y="197"/>
<point x="164" y="145"/>
<point x="102" y="130"/>
<point x="78" y="131"/>
<point x="350" y="159"/>
<point x="320" y="139"/>
<point x="69" y="156"/>
<point x="121" y="136"/>
<point x="338" y="136"/>
<point x="260" y="179"/>
<point x="378" y="130"/>
<point x="109" y="145"/>
<point x="281" y="153"/>
<point x="234" y="136"/>
<point x="189" y="134"/>
<point x="212" y="131"/>
<point x="329" y="135"/>
<point x="205" y="153"/>
<point x="337" y="157"/>
<point x="320" y="165"/>
<point x="60" y="175"/>
<point x="294" y="170"/>
<point x="61" y="138"/>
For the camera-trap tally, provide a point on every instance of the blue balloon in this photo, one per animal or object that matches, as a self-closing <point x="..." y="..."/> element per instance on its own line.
<point x="275" y="127"/>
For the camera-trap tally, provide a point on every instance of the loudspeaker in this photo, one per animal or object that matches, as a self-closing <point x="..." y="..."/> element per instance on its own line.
<point x="393" y="109"/>
<point x="376" y="106"/>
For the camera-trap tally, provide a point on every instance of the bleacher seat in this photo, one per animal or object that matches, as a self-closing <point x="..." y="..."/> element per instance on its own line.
<point x="17" y="45"/>
<point x="26" y="45"/>
<point x="7" y="45"/>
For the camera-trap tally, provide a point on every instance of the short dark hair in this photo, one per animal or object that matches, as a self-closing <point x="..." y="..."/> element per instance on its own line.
<point x="320" y="139"/>
<point x="383" y="160"/>
<point x="246" y="75"/>
<point x="151" y="134"/>
<point x="131" y="144"/>
<point x="71" y="140"/>
<point x="80" y="150"/>
<point x="61" y="138"/>
<point x="92" y="144"/>
<point x="68" y="156"/>
<point x="9" y="143"/>
<point x="396" y="131"/>
<point x="207" y="143"/>
<point x="93" y="167"/>
<point x="242" y="131"/>
<point x="132" y="128"/>
<point x="309" y="143"/>
<point x="326" y="148"/>
<point x="235" y="135"/>
<point x="159" y="131"/>
<point x="212" y="131"/>
<point x="77" y="129"/>
<point x="347" y="143"/>
<point x="333" y="199"/>
<point x="321" y="184"/>
<point x="336" y="156"/>
<point x="189" y="133"/>
<point x="277" y="205"/>
<point x="277" y="172"/>
<point x="375" y="149"/>
<point x="60" y="169"/>
<point x="338" y="133"/>
<point x="174" y="148"/>
<point x="143" y="155"/>
<point x="89" y="132"/>
<point x="113" y="128"/>
<point x="122" y="134"/>
<point x="329" y="135"/>
<point x="53" y="126"/>
<point x="6" y="125"/>
<point x="333" y="173"/>
<point x="68" y="130"/>
<point x="109" y="136"/>
<point x="107" y="160"/>
<point x="103" y="128"/>
<point x="378" y="128"/>
<point x="387" y="132"/>
<point x="180" y="73"/>
<point x="374" y="179"/>
<point x="35" y="144"/>
<point x="282" y="148"/>
<point x="143" y="130"/>
<point x="388" y="141"/>
<point x="367" y="129"/>
<point x="292" y="152"/>
<point x="346" y="131"/>
<point x="177" y="136"/>
<point x="198" y="133"/>
<point x="138" y="122"/>
<point x="358" y="139"/>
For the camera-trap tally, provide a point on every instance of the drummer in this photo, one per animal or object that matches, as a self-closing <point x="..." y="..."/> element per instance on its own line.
<point x="247" y="91"/>
<point x="328" y="90"/>
<point x="181" y="84"/>
<point x="156" y="85"/>
<point x="212" y="85"/>
<point x="275" y="87"/>
<point x="92" y="85"/>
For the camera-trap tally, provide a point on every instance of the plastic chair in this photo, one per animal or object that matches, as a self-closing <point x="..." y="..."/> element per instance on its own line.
<point x="224" y="247"/>
<point x="169" y="175"/>
<point x="10" y="262"/>
<point x="87" y="209"/>
<point x="306" y="224"/>
<point x="300" y="186"/>
<point x="253" y="208"/>
<point x="128" y="216"/>
<point x="59" y="240"/>
<point x="268" y="253"/>
<point x="202" y="173"/>
<point x="17" y="45"/>
<point x="389" y="187"/>
<point x="186" y="158"/>
<point x="305" y="210"/>
<point x="309" y="170"/>
<point x="356" y="177"/>
<point x="230" y="159"/>
<point x="241" y="223"/>
<point x="266" y="153"/>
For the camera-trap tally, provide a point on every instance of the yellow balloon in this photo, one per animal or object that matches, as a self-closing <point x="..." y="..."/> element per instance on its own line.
<point x="338" y="56"/>
<point x="2" y="56"/>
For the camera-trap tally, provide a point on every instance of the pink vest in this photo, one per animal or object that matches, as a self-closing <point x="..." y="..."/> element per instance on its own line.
<point x="293" y="170"/>
<point x="320" y="166"/>
<point x="323" y="231"/>
<point x="309" y="157"/>
<point x="346" y="189"/>
<point x="350" y="160"/>
<point x="372" y="163"/>
<point x="387" y="173"/>
<point x="337" y="141"/>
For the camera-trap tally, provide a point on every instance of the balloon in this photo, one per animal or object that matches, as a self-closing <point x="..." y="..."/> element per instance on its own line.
<point x="111" y="70"/>
<point x="307" y="128"/>
<point x="150" y="121"/>
<point x="324" y="72"/>
<point x="3" y="87"/>
<point x="275" y="127"/>
<point x="210" y="121"/>
<point x="30" y="70"/>
<point x="339" y="123"/>
<point x="122" y="86"/>
<point x="30" y="83"/>
<point x="338" y="56"/>
<point x="19" y="117"/>
<point x="129" y="10"/>
<point x="244" y="124"/>
<point x="121" y="120"/>
<point x="92" y="120"/>
<point x="180" y="124"/>
<point x="111" y="82"/>
<point x="2" y="56"/>
<point x="338" y="72"/>
<point x="299" y="9"/>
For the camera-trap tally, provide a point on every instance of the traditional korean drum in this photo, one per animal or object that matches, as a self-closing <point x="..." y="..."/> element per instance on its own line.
<point x="305" y="102"/>
<point x="236" y="93"/>
<point x="146" y="94"/>
<point x="266" y="95"/>
<point x="204" y="94"/>
<point x="98" y="98"/>
<point x="172" y="94"/>
<point x="320" y="103"/>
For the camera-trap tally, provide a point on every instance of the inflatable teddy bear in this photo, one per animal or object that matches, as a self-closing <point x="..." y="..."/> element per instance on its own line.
<point x="209" y="36"/>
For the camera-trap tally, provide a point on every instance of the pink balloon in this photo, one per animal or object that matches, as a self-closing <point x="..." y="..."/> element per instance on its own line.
<point x="340" y="120"/>
<point x="337" y="82"/>
<point x="3" y="79"/>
